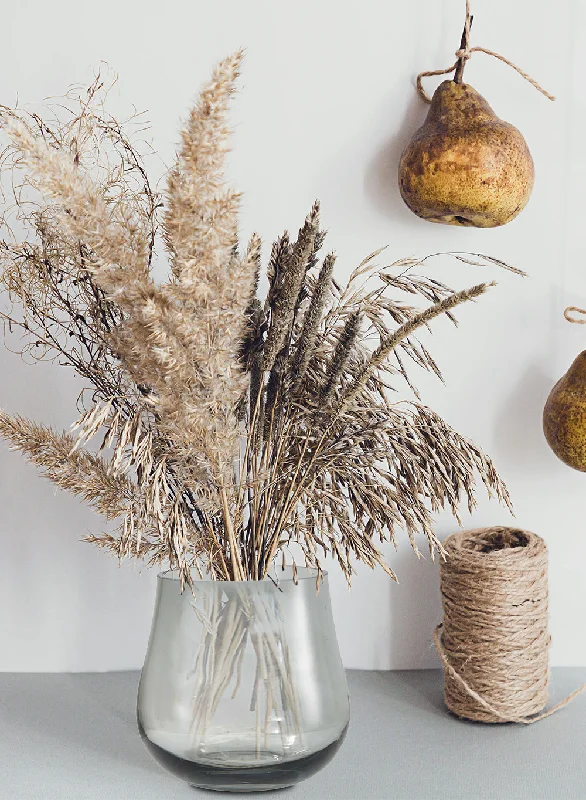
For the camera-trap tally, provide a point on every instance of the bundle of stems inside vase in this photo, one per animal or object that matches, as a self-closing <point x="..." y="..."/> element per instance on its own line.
<point x="224" y="433"/>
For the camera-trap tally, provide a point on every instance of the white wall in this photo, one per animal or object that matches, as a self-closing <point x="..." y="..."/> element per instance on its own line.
<point x="327" y="105"/>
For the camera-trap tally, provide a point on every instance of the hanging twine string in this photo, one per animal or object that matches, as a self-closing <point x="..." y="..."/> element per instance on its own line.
<point x="575" y="310"/>
<point x="494" y="639"/>
<point x="464" y="54"/>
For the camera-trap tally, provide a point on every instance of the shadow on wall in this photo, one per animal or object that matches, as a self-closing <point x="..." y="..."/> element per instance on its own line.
<point x="359" y="173"/>
<point x="518" y="428"/>
<point x="381" y="182"/>
<point x="415" y="607"/>
<point x="384" y="625"/>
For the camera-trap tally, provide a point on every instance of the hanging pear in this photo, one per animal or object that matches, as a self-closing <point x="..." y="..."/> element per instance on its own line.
<point x="464" y="165"/>
<point x="564" y="416"/>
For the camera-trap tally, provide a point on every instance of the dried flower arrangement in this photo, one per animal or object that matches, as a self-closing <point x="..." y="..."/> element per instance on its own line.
<point x="230" y="428"/>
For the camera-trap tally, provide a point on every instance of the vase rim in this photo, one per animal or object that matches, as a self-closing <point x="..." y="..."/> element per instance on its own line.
<point x="279" y="575"/>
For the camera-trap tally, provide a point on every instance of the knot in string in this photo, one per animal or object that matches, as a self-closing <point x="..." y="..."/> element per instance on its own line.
<point x="464" y="54"/>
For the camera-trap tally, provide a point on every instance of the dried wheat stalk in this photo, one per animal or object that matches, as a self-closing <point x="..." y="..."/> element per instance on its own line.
<point x="230" y="431"/>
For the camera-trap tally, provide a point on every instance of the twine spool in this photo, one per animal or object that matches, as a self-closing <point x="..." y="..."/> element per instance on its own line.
<point x="494" y="640"/>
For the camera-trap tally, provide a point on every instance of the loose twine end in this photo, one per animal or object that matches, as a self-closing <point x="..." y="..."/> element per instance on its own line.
<point x="575" y="310"/>
<point x="463" y="55"/>
<point x="488" y="707"/>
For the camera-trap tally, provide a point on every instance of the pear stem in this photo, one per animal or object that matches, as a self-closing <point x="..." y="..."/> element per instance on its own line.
<point x="464" y="41"/>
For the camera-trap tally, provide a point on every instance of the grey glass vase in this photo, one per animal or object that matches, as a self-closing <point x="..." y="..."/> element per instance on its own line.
<point x="243" y="687"/>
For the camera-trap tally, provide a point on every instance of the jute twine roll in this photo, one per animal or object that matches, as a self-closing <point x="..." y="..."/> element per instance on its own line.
<point x="494" y="640"/>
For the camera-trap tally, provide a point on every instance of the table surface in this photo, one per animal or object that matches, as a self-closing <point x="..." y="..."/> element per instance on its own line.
<point x="74" y="737"/>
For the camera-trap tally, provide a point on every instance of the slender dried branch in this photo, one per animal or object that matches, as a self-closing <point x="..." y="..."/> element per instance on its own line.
<point x="407" y="329"/>
<point x="342" y="354"/>
<point x="284" y="304"/>
<point x="312" y="320"/>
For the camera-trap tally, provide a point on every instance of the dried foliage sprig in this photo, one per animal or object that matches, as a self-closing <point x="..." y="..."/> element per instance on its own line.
<point x="76" y="470"/>
<point x="230" y="431"/>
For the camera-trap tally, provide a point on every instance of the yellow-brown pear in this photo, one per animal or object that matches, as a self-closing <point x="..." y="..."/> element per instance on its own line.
<point x="464" y="165"/>
<point x="564" y="416"/>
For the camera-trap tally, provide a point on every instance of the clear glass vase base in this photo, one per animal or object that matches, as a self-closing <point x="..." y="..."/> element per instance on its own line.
<point x="243" y="688"/>
<point x="273" y="774"/>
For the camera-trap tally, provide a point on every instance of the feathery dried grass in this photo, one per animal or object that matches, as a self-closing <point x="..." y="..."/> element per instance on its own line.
<point x="232" y="431"/>
<point x="77" y="471"/>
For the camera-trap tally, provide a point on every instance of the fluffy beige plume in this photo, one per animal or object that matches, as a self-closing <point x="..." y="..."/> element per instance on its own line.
<point x="111" y="230"/>
<point x="115" y="237"/>
<point x="200" y="225"/>
<point x="78" y="472"/>
<point x="181" y="339"/>
<point x="205" y="381"/>
<point x="214" y="285"/>
<point x="109" y="492"/>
